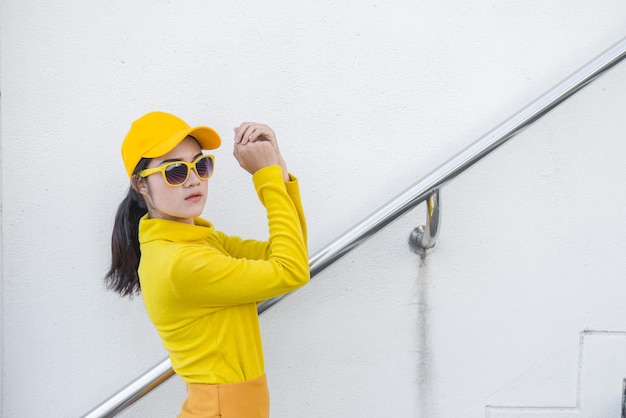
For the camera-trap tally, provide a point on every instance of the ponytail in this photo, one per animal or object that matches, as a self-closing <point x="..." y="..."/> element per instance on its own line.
<point x="125" y="253"/>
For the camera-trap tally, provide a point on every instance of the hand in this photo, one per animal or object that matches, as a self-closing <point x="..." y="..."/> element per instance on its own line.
<point x="253" y="147"/>
<point x="250" y="132"/>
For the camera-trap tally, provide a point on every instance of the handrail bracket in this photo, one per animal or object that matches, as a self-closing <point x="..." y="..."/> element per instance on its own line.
<point x="424" y="237"/>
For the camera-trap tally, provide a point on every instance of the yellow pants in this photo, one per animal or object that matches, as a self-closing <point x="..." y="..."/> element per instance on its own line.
<point x="234" y="400"/>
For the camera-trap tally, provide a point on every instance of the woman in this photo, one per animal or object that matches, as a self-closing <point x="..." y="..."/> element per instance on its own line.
<point x="200" y="286"/>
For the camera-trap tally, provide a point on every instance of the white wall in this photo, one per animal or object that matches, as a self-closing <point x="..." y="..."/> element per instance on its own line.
<point x="366" y="98"/>
<point x="1" y="252"/>
<point x="531" y="256"/>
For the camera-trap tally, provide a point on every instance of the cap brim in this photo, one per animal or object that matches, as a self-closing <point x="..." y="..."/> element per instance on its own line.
<point x="206" y="136"/>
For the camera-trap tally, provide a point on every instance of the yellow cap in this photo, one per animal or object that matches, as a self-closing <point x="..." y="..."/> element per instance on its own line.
<point x="157" y="133"/>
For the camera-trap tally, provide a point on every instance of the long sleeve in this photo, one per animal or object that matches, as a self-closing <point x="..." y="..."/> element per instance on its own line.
<point x="204" y="276"/>
<point x="259" y="250"/>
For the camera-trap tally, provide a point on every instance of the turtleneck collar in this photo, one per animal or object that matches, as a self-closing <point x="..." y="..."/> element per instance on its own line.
<point x="151" y="229"/>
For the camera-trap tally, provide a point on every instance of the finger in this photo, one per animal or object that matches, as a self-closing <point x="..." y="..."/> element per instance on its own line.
<point x="251" y="132"/>
<point x="248" y="134"/>
<point x="240" y="131"/>
<point x="244" y="133"/>
<point x="263" y="132"/>
<point x="257" y="134"/>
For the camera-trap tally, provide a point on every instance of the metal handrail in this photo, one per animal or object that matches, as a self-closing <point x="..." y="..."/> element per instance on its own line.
<point x="397" y="207"/>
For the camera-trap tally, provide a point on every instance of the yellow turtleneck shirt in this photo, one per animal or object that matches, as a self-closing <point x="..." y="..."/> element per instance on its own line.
<point x="201" y="287"/>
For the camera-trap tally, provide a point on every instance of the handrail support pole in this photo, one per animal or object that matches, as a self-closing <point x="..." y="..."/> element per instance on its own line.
<point x="424" y="237"/>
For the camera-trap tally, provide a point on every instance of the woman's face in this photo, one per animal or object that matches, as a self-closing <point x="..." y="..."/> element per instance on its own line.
<point x="181" y="203"/>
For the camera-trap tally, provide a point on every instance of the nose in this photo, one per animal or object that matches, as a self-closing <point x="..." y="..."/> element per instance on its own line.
<point x="193" y="178"/>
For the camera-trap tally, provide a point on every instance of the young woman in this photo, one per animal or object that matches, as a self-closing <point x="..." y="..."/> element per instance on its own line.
<point x="200" y="286"/>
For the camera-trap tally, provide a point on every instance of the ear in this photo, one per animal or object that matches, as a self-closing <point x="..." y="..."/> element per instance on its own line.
<point x="140" y="185"/>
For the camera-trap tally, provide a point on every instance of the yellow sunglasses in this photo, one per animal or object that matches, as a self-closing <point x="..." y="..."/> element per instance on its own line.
<point x="176" y="173"/>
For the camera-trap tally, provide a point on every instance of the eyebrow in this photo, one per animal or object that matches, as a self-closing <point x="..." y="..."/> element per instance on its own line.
<point x="175" y="160"/>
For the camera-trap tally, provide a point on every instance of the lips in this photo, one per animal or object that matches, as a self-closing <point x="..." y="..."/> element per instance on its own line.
<point x="194" y="196"/>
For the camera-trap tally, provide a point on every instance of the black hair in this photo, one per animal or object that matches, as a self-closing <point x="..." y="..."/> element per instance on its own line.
<point x="125" y="253"/>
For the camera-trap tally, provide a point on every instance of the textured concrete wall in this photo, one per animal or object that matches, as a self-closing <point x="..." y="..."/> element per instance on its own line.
<point x="366" y="98"/>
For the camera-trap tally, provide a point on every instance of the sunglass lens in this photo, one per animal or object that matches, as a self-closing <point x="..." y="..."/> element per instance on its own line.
<point x="204" y="167"/>
<point x="176" y="174"/>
